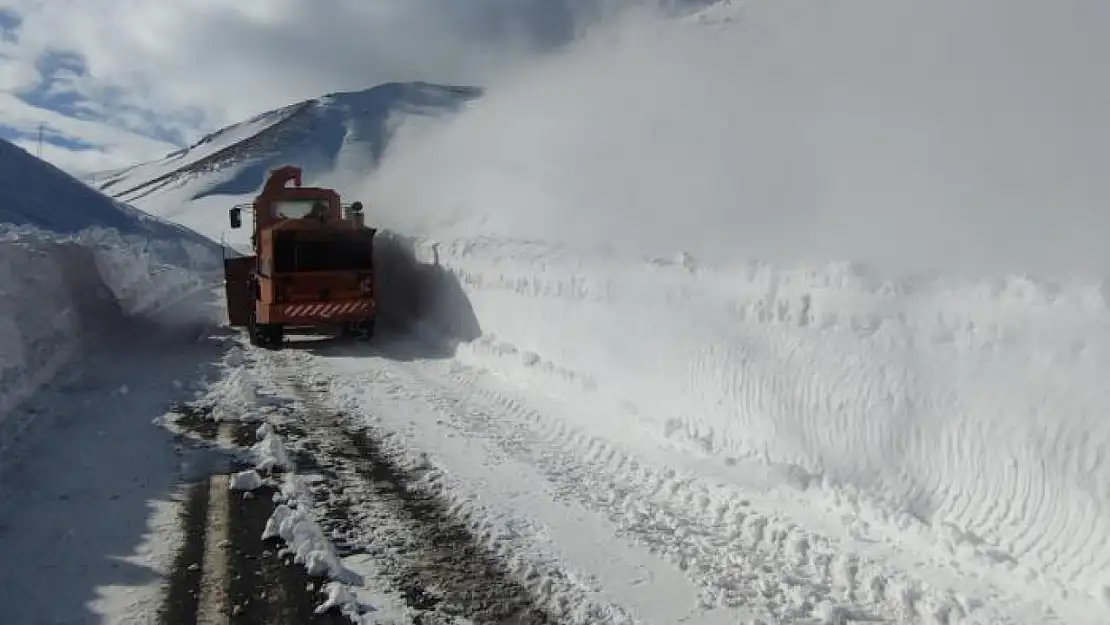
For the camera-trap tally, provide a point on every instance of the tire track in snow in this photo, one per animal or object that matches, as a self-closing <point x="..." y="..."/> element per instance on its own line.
<point x="655" y="510"/>
<point x="738" y="556"/>
<point x="563" y="554"/>
<point x="378" y="505"/>
<point x="226" y="572"/>
<point x="179" y="606"/>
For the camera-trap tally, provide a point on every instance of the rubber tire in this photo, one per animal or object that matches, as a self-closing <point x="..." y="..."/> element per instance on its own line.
<point x="253" y="330"/>
<point x="272" y="335"/>
<point x="361" y="331"/>
<point x="266" y="335"/>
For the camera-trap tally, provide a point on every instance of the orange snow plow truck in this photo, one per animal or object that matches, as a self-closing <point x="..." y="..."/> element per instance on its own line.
<point x="312" y="267"/>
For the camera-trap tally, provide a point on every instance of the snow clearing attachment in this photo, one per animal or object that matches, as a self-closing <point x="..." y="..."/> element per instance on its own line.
<point x="312" y="267"/>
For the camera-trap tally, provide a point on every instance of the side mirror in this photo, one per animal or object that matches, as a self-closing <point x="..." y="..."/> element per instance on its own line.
<point x="236" y="217"/>
<point x="356" y="207"/>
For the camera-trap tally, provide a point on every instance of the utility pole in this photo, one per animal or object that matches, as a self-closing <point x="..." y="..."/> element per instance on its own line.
<point x="41" y="125"/>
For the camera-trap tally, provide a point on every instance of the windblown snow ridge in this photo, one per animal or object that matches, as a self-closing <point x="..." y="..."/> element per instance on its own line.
<point x="972" y="412"/>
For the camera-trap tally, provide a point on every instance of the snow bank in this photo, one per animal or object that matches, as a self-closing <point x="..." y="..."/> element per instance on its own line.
<point x="972" y="400"/>
<point x="975" y="407"/>
<point x="59" y="294"/>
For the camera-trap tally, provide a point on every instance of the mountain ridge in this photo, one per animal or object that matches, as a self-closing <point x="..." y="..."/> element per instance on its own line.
<point x="313" y="132"/>
<point x="51" y="199"/>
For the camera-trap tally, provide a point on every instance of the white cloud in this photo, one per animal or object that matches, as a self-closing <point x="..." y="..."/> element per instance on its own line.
<point x="115" y="147"/>
<point x="164" y="70"/>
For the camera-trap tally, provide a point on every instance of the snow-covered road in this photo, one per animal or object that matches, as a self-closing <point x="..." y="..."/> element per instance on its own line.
<point x="488" y="482"/>
<point x="439" y="484"/>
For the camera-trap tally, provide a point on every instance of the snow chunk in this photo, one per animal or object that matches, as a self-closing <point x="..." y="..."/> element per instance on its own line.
<point x="235" y="397"/>
<point x="308" y="544"/>
<point x="246" y="480"/>
<point x="269" y="452"/>
<point x="341" y="597"/>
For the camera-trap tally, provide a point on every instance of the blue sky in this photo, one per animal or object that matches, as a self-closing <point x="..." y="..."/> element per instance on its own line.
<point x="52" y="66"/>
<point x="50" y="94"/>
<point x="114" y="83"/>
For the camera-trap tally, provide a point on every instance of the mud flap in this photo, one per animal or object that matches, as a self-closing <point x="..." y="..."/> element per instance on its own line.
<point x="240" y="300"/>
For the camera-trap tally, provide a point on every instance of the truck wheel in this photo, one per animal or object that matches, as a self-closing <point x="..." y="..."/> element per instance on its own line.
<point x="366" y="330"/>
<point x="253" y="330"/>
<point x="271" y="335"/>
<point x="361" y="330"/>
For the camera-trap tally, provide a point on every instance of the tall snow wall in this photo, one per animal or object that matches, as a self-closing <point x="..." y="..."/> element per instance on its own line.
<point x="62" y="294"/>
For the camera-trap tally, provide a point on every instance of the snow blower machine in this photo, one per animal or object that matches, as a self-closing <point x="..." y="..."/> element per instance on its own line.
<point x="312" y="269"/>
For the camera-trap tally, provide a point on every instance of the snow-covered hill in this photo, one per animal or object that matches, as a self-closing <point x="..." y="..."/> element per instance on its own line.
<point x="38" y="194"/>
<point x="75" y="264"/>
<point x="794" y="250"/>
<point x="345" y="131"/>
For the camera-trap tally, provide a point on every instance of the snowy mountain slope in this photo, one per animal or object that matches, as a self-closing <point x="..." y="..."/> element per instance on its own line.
<point x="110" y="182"/>
<point x="37" y="194"/>
<point x="73" y="264"/>
<point x="677" y="268"/>
<point x="345" y="131"/>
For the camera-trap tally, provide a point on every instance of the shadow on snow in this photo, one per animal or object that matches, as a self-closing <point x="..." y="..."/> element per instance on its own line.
<point x="87" y="492"/>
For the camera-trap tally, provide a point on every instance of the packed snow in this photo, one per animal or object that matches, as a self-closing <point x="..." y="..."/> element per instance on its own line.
<point x="90" y="498"/>
<point x="75" y="265"/>
<point x="101" y="331"/>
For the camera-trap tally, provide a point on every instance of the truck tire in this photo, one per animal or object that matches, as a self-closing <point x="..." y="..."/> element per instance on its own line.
<point x="272" y="335"/>
<point x="267" y="335"/>
<point x="252" y="329"/>
<point x="362" y="330"/>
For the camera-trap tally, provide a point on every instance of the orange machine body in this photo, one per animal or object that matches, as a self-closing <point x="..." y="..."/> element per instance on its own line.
<point x="312" y="264"/>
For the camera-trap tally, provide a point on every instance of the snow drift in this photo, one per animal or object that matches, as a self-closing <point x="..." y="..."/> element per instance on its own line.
<point x="967" y="406"/>
<point x="801" y="235"/>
